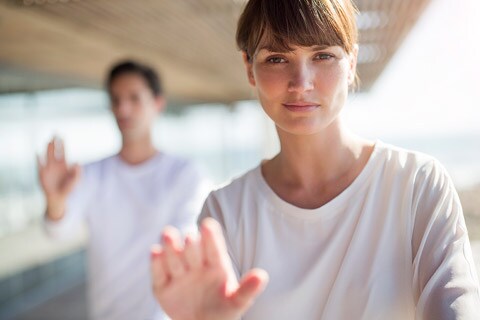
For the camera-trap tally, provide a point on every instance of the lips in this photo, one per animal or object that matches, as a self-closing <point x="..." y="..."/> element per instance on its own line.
<point x="301" y="106"/>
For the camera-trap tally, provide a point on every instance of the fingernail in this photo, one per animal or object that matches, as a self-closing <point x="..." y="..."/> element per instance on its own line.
<point x="155" y="250"/>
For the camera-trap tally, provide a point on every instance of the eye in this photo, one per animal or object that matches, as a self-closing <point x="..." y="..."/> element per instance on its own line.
<point x="276" y="60"/>
<point x="135" y="98"/>
<point x="324" y="56"/>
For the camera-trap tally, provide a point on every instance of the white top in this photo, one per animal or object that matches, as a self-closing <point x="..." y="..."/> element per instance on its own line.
<point x="126" y="208"/>
<point x="393" y="245"/>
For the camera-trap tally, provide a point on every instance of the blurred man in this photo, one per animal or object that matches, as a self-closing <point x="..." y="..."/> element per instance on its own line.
<point x="125" y="199"/>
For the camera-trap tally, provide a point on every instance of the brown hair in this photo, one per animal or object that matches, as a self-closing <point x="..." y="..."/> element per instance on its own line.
<point x="281" y="23"/>
<point x="146" y="72"/>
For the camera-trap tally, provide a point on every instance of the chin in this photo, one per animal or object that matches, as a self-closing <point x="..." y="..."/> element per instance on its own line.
<point x="303" y="127"/>
<point x="300" y="131"/>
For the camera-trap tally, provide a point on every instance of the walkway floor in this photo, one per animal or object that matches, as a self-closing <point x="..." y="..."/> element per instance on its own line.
<point x="72" y="305"/>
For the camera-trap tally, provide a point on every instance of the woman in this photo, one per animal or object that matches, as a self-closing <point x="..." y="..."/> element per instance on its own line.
<point x="343" y="227"/>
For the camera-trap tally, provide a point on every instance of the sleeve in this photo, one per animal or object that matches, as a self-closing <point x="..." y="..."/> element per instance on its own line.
<point x="75" y="211"/>
<point x="193" y="187"/>
<point x="444" y="280"/>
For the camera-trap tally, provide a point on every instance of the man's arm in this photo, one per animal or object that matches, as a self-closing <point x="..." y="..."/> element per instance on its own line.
<point x="57" y="180"/>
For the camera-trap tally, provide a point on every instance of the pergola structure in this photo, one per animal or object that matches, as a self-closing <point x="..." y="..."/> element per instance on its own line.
<point x="49" y="44"/>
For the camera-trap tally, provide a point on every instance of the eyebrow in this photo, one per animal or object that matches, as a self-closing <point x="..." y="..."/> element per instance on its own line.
<point x="272" y="49"/>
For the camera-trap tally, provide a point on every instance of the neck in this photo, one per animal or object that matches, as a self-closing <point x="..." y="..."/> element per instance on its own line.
<point x="330" y="155"/>
<point x="135" y="151"/>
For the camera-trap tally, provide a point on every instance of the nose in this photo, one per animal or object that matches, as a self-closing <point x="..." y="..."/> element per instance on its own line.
<point x="123" y="108"/>
<point x="301" y="78"/>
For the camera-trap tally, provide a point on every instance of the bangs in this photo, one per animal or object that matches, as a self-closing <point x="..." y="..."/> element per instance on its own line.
<point x="278" y="25"/>
<point x="284" y="40"/>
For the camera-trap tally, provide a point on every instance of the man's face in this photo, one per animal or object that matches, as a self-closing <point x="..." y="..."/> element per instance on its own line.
<point x="134" y="105"/>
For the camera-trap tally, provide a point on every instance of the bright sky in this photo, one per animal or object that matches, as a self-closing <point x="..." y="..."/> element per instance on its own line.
<point x="431" y="85"/>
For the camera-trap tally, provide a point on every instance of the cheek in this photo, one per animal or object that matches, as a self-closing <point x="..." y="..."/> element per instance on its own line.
<point x="333" y="82"/>
<point x="147" y="111"/>
<point x="269" y="84"/>
<point x="338" y="93"/>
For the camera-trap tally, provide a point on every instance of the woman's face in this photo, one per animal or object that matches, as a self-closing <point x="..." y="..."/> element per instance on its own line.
<point x="302" y="90"/>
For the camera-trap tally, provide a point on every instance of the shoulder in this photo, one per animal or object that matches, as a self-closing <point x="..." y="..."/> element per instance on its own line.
<point x="100" y="162"/>
<point x="226" y="200"/>
<point x="175" y="163"/>
<point x="183" y="175"/>
<point x="424" y="178"/>
<point x="238" y="186"/>
<point x="415" y="166"/>
<point x="97" y="168"/>
<point x="402" y="158"/>
<point x="179" y="168"/>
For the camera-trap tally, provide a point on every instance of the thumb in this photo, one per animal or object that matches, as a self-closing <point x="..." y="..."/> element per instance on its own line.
<point x="251" y="285"/>
<point x="73" y="176"/>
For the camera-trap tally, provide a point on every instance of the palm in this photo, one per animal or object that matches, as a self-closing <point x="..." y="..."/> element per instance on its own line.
<point x="53" y="177"/>
<point x="204" y="287"/>
<point x="208" y="297"/>
<point x="56" y="177"/>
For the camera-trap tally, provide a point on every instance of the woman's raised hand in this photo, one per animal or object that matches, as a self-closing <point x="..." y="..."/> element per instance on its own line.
<point x="194" y="279"/>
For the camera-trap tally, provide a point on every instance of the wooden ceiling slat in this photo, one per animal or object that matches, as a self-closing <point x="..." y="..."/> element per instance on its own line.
<point x="191" y="41"/>
<point x="132" y="28"/>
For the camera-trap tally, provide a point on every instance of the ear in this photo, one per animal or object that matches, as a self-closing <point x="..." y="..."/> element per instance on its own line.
<point x="352" y="72"/>
<point x="160" y="103"/>
<point x="249" y="68"/>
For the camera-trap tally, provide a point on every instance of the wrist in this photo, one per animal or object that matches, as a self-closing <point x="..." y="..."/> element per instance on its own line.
<point x="55" y="209"/>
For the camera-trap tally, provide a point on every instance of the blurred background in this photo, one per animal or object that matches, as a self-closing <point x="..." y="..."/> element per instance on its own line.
<point x="420" y="89"/>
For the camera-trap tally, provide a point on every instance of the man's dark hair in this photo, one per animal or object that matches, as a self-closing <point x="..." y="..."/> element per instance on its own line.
<point x="132" y="67"/>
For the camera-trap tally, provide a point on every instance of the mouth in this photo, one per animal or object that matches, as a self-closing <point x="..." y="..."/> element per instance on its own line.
<point x="301" y="106"/>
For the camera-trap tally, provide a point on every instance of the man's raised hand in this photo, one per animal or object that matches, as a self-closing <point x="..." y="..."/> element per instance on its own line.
<point x="56" y="178"/>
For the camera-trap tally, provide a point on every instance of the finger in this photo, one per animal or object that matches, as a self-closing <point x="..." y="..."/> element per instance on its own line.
<point x="192" y="252"/>
<point x="173" y="252"/>
<point x="73" y="177"/>
<point x="214" y="248"/>
<point x="59" y="152"/>
<point x="76" y="171"/>
<point x="158" y="272"/>
<point x="51" y="152"/>
<point x="251" y="285"/>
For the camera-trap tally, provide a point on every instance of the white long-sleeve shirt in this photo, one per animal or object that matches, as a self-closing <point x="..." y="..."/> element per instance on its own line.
<point x="392" y="245"/>
<point x="125" y="208"/>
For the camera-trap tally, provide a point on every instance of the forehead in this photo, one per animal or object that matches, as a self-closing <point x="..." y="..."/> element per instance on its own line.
<point x="128" y="82"/>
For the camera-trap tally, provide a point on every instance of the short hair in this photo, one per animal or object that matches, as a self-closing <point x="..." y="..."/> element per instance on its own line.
<point x="281" y="23"/>
<point x="133" y="67"/>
